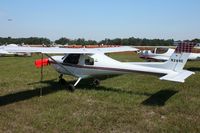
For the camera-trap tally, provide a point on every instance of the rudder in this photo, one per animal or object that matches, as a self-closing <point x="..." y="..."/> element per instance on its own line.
<point x="180" y="56"/>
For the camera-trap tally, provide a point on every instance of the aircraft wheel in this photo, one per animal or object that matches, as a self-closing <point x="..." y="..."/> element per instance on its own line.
<point x="71" y="87"/>
<point x="96" y="82"/>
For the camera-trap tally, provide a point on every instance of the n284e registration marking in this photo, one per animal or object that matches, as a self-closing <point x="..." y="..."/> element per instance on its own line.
<point x="177" y="60"/>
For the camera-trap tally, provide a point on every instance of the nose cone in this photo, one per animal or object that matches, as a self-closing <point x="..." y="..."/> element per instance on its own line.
<point x="42" y="62"/>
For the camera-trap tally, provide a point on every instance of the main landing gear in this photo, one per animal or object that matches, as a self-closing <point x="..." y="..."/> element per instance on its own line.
<point x="70" y="87"/>
<point x="61" y="80"/>
<point x="96" y="82"/>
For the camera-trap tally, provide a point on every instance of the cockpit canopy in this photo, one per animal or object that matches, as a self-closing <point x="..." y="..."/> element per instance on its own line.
<point x="77" y="59"/>
<point x="159" y="50"/>
<point x="72" y="59"/>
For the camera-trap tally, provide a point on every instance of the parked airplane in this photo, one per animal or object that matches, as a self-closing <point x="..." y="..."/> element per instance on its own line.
<point x="3" y="53"/>
<point x="91" y="62"/>
<point x="163" y="54"/>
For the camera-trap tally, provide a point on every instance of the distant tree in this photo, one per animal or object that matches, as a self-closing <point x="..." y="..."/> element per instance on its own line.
<point x="125" y="42"/>
<point x="80" y="41"/>
<point x="62" y="41"/>
<point x="136" y="41"/>
<point x="91" y="42"/>
<point x="196" y="40"/>
<point x="31" y="40"/>
<point x="116" y="41"/>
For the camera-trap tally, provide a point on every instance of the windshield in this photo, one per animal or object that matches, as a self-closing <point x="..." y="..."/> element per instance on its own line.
<point x="72" y="59"/>
<point x="161" y="50"/>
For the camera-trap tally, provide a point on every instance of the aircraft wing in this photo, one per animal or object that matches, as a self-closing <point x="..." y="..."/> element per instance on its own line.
<point x="117" y="49"/>
<point x="53" y="50"/>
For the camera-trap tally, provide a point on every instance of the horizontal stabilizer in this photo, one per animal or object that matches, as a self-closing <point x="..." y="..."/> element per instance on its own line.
<point x="177" y="76"/>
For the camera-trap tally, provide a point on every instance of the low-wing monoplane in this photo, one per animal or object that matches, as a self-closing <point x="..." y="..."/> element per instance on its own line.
<point x="91" y="62"/>
<point x="163" y="54"/>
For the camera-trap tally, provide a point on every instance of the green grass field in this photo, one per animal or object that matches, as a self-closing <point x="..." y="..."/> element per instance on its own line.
<point x="127" y="103"/>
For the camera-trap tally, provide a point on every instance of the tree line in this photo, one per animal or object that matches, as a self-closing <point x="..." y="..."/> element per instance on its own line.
<point x="30" y="40"/>
<point x="81" y="41"/>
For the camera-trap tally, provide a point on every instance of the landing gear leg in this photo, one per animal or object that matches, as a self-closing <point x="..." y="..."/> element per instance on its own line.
<point x="61" y="75"/>
<point x="61" y="80"/>
<point x="71" y="87"/>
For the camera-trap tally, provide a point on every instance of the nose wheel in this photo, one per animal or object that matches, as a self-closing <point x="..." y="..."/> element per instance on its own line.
<point x="71" y="87"/>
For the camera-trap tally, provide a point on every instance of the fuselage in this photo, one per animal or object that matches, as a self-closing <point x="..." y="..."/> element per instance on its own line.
<point x="84" y="66"/>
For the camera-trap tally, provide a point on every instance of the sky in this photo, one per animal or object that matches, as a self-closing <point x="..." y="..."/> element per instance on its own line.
<point x="100" y="19"/>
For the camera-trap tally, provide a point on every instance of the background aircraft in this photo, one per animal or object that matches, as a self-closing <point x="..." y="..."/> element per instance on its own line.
<point x="4" y="53"/>
<point x="163" y="54"/>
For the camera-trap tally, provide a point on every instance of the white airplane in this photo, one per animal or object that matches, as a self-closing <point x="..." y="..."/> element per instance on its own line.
<point x="5" y="52"/>
<point x="163" y="54"/>
<point x="91" y="62"/>
<point x="2" y="53"/>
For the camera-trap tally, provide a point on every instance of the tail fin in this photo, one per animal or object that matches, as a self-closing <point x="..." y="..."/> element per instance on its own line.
<point x="179" y="58"/>
<point x="177" y="61"/>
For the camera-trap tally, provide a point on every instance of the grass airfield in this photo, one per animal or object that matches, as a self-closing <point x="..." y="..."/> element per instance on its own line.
<point x="127" y="103"/>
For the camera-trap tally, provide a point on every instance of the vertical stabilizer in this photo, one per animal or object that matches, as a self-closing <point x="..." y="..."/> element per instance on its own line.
<point x="180" y="56"/>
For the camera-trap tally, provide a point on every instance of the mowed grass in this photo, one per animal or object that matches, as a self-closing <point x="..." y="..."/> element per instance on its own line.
<point x="127" y="103"/>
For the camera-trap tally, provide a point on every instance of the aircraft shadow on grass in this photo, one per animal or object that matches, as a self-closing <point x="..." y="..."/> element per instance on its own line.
<point x="28" y="94"/>
<point x="159" y="98"/>
<point x="154" y="99"/>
